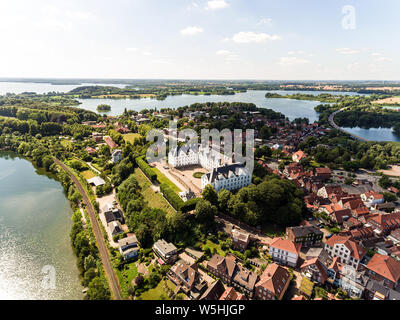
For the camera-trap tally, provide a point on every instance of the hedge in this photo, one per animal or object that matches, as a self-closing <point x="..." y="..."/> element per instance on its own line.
<point x="147" y="170"/>
<point x="173" y="198"/>
<point x="189" y="205"/>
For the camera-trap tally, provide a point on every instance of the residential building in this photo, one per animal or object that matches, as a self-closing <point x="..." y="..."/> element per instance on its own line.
<point x="384" y="223"/>
<point x="285" y="251"/>
<point x="395" y="236"/>
<point x="228" y="270"/>
<point x="347" y="250"/>
<point x="229" y="177"/>
<point x="115" y="228"/>
<point x="214" y="291"/>
<point x="372" y="198"/>
<point x="314" y="270"/>
<point x="323" y="173"/>
<point x="128" y="247"/>
<point x="298" y="156"/>
<point x="377" y="291"/>
<point x="167" y="252"/>
<point x="240" y="239"/>
<point x="116" y="155"/>
<point x="384" y="269"/>
<point x="231" y="294"/>
<point x="273" y="283"/>
<point x="110" y="142"/>
<point x="308" y="236"/>
<point x="188" y="277"/>
<point x="353" y="281"/>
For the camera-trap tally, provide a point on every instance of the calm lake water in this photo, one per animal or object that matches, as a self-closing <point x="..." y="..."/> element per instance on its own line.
<point x="374" y="134"/>
<point x="35" y="221"/>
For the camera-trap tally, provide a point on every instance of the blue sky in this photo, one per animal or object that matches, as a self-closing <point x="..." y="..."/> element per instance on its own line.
<point x="200" y="39"/>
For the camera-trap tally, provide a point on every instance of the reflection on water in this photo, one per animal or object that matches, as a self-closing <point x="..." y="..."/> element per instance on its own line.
<point x="35" y="221"/>
<point x="374" y="134"/>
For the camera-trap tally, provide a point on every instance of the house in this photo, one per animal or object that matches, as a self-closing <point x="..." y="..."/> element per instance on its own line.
<point x="228" y="270"/>
<point x="167" y="252"/>
<point x="346" y="249"/>
<point x="128" y="247"/>
<point x="298" y="156"/>
<point x="110" y="142"/>
<point x="273" y="283"/>
<point x="308" y="236"/>
<point x="231" y="294"/>
<point x="395" y="236"/>
<point x="116" y="156"/>
<point x="188" y="277"/>
<point x="377" y="291"/>
<point x="384" y="269"/>
<point x="91" y="151"/>
<point x="323" y="173"/>
<point x="214" y="291"/>
<point x="115" y="228"/>
<point x="353" y="281"/>
<point x="112" y="214"/>
<point x="383" y="223"/>
<point x="352" y="223"/>
<point x="285" y="251"/>
<point x="240" y="239"/>
<point x="393" y="190"/>
<point x="327" y="191"/>
<point x="371" y="198"/>
<point x="229" y="177"/>
<point x="314" y="270"/>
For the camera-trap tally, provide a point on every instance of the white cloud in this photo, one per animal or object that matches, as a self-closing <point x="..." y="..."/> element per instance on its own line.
<point x="216" y="4"/>
<point x="252" y="37"/>
<point x="191" y="31"/>
<point x="353" y="66"/>
<point x="192" y="6"/>
<point x="292" y="61"/>
<point x="132" y="49"/>
<point x="347" y="51"/>
<point x="223" y="52"/>
<point x="376" y="54"/>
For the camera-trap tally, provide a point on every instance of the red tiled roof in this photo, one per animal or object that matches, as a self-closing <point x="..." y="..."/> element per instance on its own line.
<point x="286" y="245"/>
<point x="274" y="278"/>
<point x="385" y="266"/>
<point x="356" y="251"/>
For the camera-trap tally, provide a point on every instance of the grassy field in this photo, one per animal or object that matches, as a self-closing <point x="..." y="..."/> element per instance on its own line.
<point x="130" y="137"/>
<point x="155" y="200"/>
<point x="212" y="246"/>
<point x="158" y="293"/>
<point x="126" y="276"/>
<point x="163" y="179"/>
<point x="88" y="174"/>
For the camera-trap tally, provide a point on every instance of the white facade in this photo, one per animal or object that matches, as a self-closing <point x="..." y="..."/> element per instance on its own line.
<point x="284" y="257"/>
<point x="116" y="156"/>
<point x="229" y="177"/>
<point x="343" y="253"/>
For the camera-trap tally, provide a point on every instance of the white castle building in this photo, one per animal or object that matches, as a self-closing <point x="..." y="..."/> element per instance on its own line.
<point x="208" y="158"/>
<point x="229" y="177"/>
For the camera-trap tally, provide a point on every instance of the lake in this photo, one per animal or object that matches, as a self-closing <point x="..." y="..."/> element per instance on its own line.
<point x="35" y="221"/>
<point x="374" y="134"/>
<point x="289" y="107"/>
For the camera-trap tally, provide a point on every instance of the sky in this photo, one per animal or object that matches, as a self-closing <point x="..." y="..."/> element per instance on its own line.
<point x="201" y="39"/>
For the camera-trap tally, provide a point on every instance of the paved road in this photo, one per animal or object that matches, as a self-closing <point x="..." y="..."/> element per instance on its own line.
<point x="105" y="258"/>
<point x="333" y="124"/>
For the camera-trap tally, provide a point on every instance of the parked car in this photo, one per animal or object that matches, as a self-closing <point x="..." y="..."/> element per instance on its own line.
<point x="329" y="236"/>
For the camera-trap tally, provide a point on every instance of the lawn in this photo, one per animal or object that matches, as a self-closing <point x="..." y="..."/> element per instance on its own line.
<point x="130" y="137"/>
<point x="157" y="293"/>
<point x="88" y="174"/>
<point x="155" y="200"/>
<point x="212" y="246"/>
<point x="163" y="179"/>
<point x="126" y="276"/>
